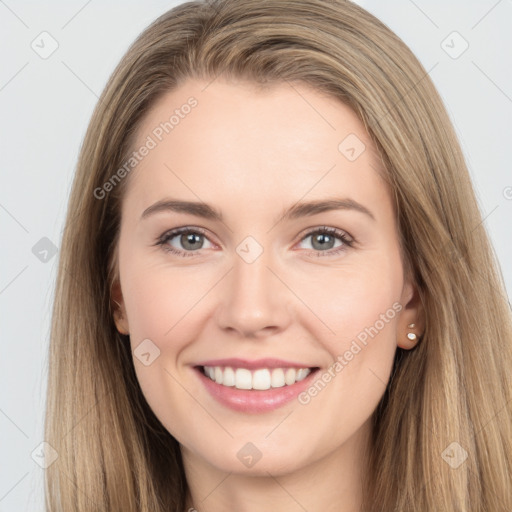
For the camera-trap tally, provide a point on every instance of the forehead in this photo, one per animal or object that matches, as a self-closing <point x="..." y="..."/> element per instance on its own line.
<point x="232" y="142"/>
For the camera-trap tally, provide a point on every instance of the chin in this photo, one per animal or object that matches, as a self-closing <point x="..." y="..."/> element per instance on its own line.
<point x="275" y="465"/>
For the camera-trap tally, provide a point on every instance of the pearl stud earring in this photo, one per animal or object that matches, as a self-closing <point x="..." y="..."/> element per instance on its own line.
<point x="411" y="335"/>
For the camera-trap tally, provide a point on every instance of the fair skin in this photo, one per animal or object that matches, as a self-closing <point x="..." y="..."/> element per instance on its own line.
<point x="251" y="154"/>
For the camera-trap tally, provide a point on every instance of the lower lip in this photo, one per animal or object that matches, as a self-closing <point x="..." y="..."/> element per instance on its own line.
<point x="253" y="400"/>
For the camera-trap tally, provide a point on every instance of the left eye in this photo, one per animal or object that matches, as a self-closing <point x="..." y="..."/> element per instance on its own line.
<point x="324" y="238"/>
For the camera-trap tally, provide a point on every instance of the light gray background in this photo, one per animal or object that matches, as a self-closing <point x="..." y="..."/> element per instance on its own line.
<point x="46" y="105"/>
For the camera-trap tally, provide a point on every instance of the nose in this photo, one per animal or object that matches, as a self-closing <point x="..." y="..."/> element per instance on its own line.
<point x="255" y="302"/>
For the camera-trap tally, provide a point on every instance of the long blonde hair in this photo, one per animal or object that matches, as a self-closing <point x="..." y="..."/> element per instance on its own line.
<point x="454" y="387"/>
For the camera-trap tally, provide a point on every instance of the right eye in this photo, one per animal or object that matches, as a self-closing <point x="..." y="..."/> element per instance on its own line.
<point x="190" y="239"/>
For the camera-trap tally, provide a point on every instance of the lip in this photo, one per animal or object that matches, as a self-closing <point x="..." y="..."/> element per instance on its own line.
<point x="252" y="401"/>
<point x="254" y="365"/>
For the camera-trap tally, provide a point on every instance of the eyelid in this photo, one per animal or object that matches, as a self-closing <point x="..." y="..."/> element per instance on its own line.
<point x="328" y="229"/>
<point x="174" y="232"/>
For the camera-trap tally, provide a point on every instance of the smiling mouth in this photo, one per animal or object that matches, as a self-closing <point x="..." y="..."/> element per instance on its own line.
<point x="259" y="380"/>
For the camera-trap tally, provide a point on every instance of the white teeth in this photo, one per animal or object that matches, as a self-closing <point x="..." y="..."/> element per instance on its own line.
<point x="228" y="378"/>
<point x="261" y="379"/>
<point x="277" y="380"/>
<point x="243" y="378"/>
<point x="289" y="376"/>
<point x="302" y="373"/>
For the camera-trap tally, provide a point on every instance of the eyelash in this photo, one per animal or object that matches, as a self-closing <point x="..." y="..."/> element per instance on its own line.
<point x="169" y="235"/>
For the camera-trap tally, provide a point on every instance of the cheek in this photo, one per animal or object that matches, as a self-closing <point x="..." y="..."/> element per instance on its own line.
<point x="359" y="308"/>
<point x="147" y="306"/>
<point x="158" y="299"/>
<point x="348" y="300"/>
<point x="162" y="306"/>
<point x="363" y="315"/>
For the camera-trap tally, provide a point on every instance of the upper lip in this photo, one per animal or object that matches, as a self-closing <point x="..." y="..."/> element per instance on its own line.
<point x="255" y="364"/>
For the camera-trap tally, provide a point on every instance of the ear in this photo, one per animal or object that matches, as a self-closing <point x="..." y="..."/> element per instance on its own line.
<point x="120" y="317"/>
<point x="411" y="323"/>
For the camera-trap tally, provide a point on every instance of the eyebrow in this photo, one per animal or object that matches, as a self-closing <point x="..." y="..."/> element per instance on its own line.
<point x="298" y="210"/>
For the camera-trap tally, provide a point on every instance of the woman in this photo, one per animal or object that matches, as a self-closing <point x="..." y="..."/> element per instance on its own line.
<point x="202" y="357"/>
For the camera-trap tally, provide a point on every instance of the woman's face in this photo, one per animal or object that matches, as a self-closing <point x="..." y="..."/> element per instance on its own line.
<point x="255" y="289"/>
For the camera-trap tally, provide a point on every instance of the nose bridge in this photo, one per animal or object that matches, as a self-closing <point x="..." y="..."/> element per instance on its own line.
<point x="253" y="298"/>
